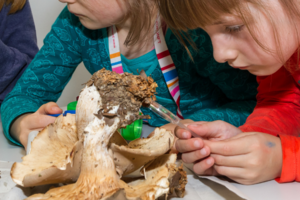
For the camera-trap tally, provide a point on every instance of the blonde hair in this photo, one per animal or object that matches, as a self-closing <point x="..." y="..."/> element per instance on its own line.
<point x="16" y="5"/>
<point x="142" y="14"/>
<point x="184" y="15"/>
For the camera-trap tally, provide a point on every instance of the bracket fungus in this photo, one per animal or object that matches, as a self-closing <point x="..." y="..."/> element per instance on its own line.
<point x="88" y="154"/>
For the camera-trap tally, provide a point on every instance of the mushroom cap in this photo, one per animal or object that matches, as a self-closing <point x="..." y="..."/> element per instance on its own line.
<point x="54" y="156"/>
<point x="140" y="151"/>
<point x="156" y="182"/>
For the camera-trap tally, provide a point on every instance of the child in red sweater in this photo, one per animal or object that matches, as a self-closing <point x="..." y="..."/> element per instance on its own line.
<point x="262" y="37"/>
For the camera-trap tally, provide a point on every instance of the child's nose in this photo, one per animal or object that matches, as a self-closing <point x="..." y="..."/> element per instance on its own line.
<point x="225" y="55"/>
<point x="223" y="51"/>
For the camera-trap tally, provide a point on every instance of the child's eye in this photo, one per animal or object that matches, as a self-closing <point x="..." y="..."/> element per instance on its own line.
<point x="234" y="29"/>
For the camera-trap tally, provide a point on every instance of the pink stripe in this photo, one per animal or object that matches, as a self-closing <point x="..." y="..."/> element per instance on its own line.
<point x="174" y="91"/>
<point x="118" y="70"/>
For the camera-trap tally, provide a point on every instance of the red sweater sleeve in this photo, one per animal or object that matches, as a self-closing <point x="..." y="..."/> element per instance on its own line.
<point x="278" y="113"/>
<point x="291" y="159"/>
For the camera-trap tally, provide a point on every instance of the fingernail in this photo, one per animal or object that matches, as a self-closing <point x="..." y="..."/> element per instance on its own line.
<point x="203" y="151"/>
<point x="193" y="125"/>
<point x="55" y="108"/>
<point x="208" y="161"/>
<point x="197" y="144"/>
<point x="185" y="134"/>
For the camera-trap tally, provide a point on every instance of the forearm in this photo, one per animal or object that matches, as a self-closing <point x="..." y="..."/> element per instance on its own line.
<point x="12" y="108"/>
<point x="15" y="130"/>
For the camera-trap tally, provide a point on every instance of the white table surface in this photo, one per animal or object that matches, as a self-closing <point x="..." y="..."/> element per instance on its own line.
<point x="270" y="190"/>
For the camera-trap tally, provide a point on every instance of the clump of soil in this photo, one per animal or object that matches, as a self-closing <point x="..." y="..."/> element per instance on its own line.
<point x="125" y="92"/>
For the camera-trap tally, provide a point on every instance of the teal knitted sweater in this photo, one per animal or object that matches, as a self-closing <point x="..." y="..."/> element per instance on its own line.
<point x="209" y="90"/>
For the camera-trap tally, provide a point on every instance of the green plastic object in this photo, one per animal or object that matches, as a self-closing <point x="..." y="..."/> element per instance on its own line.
<point x="72" y="105"/>
<point x="132" y="131"/>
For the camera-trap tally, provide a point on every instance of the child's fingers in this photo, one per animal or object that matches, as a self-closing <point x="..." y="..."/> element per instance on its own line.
<point x="39" y="121"/>
<point x="49" y="108"/>
<point x="245" y="134"/>
<point x="204" y="129"/>
<point x="229" y="147"/>
<point x="192" y="144"/>
<point x="237" y="174"/>
<point x="193" y="156"/>
<point x="230" y="161"/>
<point x="204" y="167"/>
<point x="208" y="129"/>
<point x="216" y="130"/>
<point x="182" y="133"/>
<point x="231" y="172"/>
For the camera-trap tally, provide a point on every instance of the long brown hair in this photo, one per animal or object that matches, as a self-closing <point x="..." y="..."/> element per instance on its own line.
<point x="16" y="5"/>
<point x="183" y="15"/>
<point x="142" y="14"/>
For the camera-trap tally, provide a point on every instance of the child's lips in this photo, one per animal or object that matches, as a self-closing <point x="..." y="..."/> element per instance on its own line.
<point x="78" y="15"/>
<point x="240" y="67"/>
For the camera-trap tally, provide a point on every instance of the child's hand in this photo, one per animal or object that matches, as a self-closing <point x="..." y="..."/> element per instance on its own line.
<point x="26" y="123"/>
<point x="248" y="158"/>
<point x="195" y="151"/>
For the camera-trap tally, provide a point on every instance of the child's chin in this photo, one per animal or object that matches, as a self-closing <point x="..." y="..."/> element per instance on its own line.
<point x="263" y="72"/>
<point x="260" y="73"/>
<point x="91" y="25"/>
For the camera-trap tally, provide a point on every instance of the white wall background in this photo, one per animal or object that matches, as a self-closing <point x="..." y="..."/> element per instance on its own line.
<point x="44" y="13"/>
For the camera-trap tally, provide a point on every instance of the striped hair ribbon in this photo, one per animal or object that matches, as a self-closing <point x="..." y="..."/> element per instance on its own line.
<point x="114" y="50"/>
<point x="167" y="65"/>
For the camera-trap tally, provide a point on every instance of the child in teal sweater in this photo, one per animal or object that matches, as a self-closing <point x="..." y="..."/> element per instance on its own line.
<point x="208" y="90"/>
